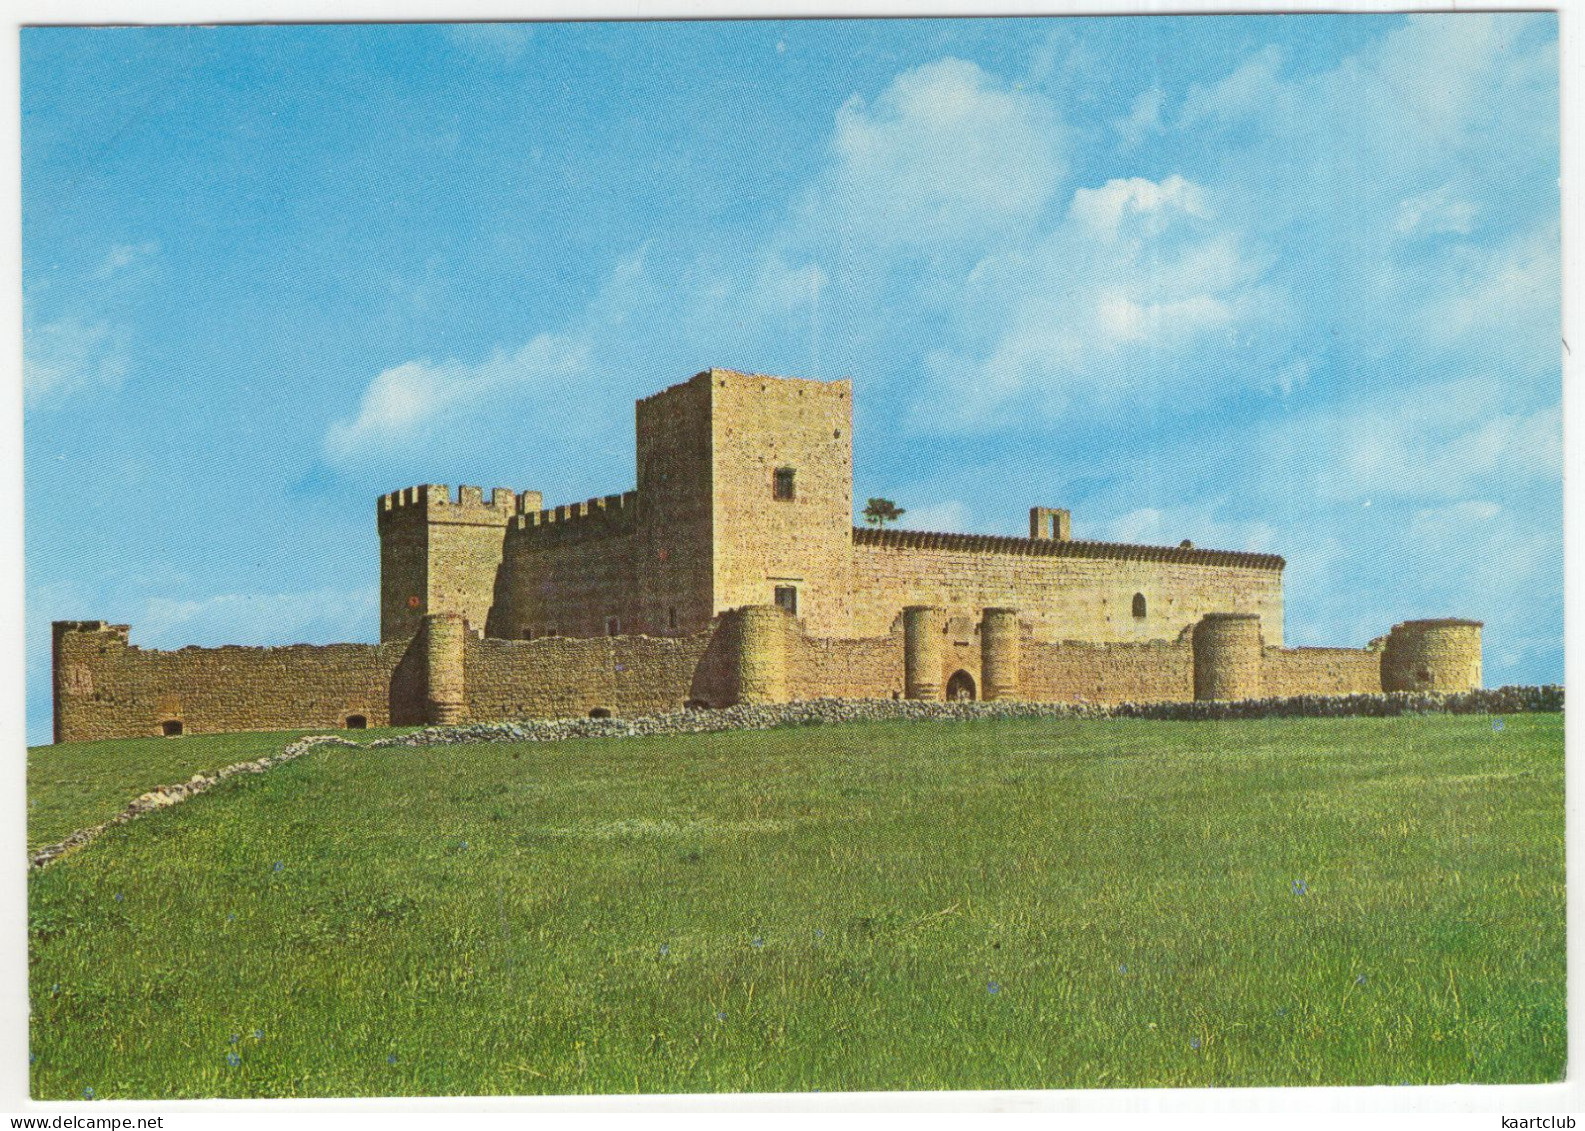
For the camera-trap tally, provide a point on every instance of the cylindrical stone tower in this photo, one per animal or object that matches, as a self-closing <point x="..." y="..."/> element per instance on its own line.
<point x="445" y="686"/>
<point x="1432" y="655"/>
<point x="1228" y="653"/>
<point x="999" y="654"/>
<point x="762" y="654"/>
<point x="923" y="649"/>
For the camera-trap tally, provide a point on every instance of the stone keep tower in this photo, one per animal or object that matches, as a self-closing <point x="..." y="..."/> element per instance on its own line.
<point x="745" y="486"/>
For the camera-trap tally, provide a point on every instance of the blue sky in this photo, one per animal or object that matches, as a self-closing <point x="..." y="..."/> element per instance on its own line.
<point x="1285" y="283"/>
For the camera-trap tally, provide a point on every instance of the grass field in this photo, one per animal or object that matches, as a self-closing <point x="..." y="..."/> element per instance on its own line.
<point x="77" y="784"/>
<point x="1031" y="904"/>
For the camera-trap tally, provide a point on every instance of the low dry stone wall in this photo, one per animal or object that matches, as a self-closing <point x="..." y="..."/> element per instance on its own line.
<point x="164" y="796"/>
<point x="814" y="712"/>
<point x="818" y="712"/>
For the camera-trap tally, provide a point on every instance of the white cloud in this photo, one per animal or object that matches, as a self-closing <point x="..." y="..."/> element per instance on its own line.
<point x="1510" y="291"/>
<point x="945" y="153"/>
<point x="1437" y="443"/>
<point x="1151" y="204"/>
<point x="1458" y="519"/>
<point x="1138" y="290"/>
<point x="1251" y="89"/>
<point x="1198" y="522"/>
<point x="1437" y="212"/>
<point x="1142" y="120"/>
<point x="422" y="402"/>
<point x="68" y="357"/>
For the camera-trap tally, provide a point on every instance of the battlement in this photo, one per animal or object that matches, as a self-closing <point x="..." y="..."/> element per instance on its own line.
<point x="434" y="503"/>
<point x="1052" y="547"/>
<point x="93" y="627"/>
<point x="718" y="376"/>
<point x="595" y="518"/>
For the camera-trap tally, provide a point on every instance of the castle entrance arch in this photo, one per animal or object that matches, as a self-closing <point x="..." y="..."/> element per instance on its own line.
<point x="960" y="686"/>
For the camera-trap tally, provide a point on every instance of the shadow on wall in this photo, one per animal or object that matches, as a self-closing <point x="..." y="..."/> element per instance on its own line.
<point x="409" y="686"/>
<point x="715" y="679"/>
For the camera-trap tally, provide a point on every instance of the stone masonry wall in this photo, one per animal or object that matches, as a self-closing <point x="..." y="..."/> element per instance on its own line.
<point x="561" y="677"/>
<point x="569" y="585"/>
<point x="673" y="550"/>
<point x="846" y="669"/>
<point x="1321" y="671"/>
<point x="1061" y="597"/>
<point x="442" y="555"/>
<point x="1080" y="672"/>
<point x="106" y="688"/>
<point x="761" y="424"/>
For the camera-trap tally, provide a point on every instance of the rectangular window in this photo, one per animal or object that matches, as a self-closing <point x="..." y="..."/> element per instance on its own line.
<point x="787" y="598"/>
<point x="785" y="477"/>
<point x="528" y="632"/>
<point x="613" y="626"/>
<point x="671" y="618"/>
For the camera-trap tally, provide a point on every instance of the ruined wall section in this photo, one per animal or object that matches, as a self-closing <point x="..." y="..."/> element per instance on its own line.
<point x="761" y="425"/>
<point x="108" y="688"/>
<point x="1063" y="590"/>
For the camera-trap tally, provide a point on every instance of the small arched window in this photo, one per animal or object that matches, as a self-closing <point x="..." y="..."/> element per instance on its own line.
<point x="357" y="722"/>
<point x="1139" y="606"/>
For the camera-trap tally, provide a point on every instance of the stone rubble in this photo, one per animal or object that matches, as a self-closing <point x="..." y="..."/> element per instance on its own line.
<point x="822" y="712"/>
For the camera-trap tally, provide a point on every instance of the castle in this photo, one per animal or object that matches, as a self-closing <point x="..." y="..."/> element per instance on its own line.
<point x="734" y="573"/>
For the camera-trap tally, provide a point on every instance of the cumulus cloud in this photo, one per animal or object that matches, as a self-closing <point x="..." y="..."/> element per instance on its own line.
<point x="945" y="153"/>
<point x="425" y="403"/>
<point x="1510" y="290"/>
<point x="1150" y="204"/>
<point x="1138" y="290"/>
<point x="1426" y="450"/>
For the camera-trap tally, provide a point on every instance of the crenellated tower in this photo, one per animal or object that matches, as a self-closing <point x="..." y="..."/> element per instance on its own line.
<point x="443" y="555"/>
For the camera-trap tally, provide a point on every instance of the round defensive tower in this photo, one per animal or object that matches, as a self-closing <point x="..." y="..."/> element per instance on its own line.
<point x="999" y="654"/>
<point x="923" y="650"/>
<point x="1228" y="653"/>
<point x="445" y="687"/>
<point x="762" y="654"/>
<point x="1432" y="655"/>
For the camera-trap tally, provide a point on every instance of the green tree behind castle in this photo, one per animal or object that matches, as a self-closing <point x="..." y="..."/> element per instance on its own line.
<point x="878" y="512"/>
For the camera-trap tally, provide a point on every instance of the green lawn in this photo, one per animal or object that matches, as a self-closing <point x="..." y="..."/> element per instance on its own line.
<point x="1031" y="904"/>
<point x="77" y="784"/>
